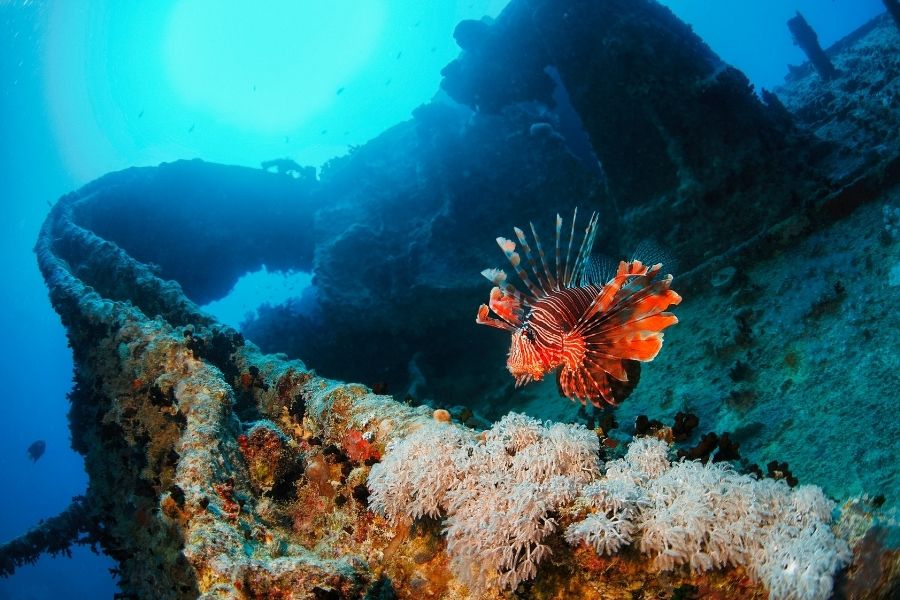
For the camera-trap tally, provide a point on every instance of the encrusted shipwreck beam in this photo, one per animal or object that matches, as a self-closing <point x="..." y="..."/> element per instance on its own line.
<point x="189" y="498"/>
<point x="220" y="472"/>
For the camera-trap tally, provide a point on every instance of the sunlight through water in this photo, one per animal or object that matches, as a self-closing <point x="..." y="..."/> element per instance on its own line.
<point x="272" y="66"/>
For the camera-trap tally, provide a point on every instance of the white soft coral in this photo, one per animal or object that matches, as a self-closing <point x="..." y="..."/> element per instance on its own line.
<point x="413" y="478"/>
<point x="605" y="533"/>
<point x="709" y="516"/>
<point x="497" y="495"/>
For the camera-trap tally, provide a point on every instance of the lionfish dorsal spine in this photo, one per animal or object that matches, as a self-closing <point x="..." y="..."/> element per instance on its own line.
<point x="523" y="243"/>
<point x="559" y="274"/>
<point x="587" y="243"/>
<point x="565" y="281"/>
<point x="509" y="249"/>
<point x="551" y="281"/>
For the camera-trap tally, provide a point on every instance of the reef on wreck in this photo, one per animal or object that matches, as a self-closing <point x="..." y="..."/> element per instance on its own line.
<point x="219" y="470"/>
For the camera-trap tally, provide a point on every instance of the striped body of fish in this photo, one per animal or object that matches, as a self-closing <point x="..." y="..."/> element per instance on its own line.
<point x="593" y="334"/>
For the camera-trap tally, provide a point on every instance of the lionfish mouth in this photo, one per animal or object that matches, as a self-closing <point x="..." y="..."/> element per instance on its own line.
<point x="593" y="334"/>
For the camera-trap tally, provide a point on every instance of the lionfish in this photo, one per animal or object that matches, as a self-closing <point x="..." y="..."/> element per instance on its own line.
<point x="593" y="334"/>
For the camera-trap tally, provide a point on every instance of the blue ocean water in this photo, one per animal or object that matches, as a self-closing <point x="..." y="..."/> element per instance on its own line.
<point x="88" y="88"/>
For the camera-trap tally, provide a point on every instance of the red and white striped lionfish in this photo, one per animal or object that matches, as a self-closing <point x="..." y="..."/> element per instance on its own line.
<point x="593" y="335"/>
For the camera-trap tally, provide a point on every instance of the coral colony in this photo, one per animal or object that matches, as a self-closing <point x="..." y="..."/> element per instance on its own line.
<point x="501" y="496"/>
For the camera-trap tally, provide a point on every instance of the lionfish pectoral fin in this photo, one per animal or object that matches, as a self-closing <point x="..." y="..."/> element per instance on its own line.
<point x="631" y="326"/>
<point x="507" y="307"/>
<point x="484" y="318"/>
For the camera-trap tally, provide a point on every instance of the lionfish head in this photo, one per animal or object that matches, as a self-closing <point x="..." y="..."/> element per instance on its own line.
<point x="524" y="361"/>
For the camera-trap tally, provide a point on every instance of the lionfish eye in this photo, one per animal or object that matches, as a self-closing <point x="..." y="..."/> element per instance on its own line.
<point x="528" y="334"/>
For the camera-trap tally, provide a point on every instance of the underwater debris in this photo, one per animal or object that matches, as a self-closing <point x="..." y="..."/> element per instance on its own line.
<point x="724" y="277"/>
<point x="53" y="536"/>
<point x="592" y="334"/>
<point x="806" y="38"/>
<point x="173" y="499"/>
<point x="684" y="425"/>
<point x="893" y="7"/>
<point x="36" y="450"/>
<point x="780" y="470"/>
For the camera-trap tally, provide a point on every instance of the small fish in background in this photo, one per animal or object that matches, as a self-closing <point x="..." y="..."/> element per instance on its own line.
<point x="191" y="128"/>
<point x="36" y="450"/>
<point x="140" y="114"/>
<point x="399" y="54"/>
<point x="594" y="335"/>
<point x="339" y="91"/>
